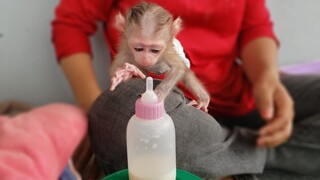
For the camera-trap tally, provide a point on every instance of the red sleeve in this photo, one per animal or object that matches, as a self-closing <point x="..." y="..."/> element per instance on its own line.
<point x="256" y="22"/>
<point x="74" y="21"/>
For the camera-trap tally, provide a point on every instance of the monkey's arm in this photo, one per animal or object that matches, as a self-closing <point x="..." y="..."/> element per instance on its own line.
<point x="196" y="87"/>
<point x="178" y="71"/>
<point x="173" y="75"/>
<point x="117" y="62"/>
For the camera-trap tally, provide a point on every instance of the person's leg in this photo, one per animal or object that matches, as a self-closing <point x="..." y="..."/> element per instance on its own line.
<point x="203" y="146"/>
<point x="301" y="154"/>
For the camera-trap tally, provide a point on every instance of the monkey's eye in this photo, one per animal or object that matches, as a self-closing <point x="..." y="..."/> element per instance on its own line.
<point x="155" y="51"/>
<point x="138" y="49"/>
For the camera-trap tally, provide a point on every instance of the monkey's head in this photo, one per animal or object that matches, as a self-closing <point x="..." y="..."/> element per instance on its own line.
<point x="148" y="29"/>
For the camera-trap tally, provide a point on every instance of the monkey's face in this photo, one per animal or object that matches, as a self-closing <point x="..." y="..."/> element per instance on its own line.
<point x="147" y="47"/>
<point x="146" y="53"/>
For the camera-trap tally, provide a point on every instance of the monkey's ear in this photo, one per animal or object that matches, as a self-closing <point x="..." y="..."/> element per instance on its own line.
<point x="120" y="22"/>
<point x="176" y="26"/>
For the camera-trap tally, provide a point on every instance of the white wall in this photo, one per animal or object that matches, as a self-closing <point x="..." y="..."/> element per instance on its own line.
<point x="28" y="68"/>
<point x="29" y="72"/>
<point x="297" y="24"/>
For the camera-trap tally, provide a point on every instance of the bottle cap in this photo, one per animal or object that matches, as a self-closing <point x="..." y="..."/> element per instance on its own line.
<point x="149" y="106"/>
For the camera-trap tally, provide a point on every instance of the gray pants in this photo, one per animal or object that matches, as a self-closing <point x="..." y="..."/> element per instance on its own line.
<point x="206" y="148"/>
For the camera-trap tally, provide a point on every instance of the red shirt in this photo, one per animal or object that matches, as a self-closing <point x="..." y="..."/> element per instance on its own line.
<point x="213" y="34"/>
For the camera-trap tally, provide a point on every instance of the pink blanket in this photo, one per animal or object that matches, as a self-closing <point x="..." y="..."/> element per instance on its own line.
<point x="38" y="144"/>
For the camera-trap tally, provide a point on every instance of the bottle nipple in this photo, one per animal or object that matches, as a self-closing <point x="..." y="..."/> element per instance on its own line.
<point x="149" y="96"/>
<point x="148" y="106"/>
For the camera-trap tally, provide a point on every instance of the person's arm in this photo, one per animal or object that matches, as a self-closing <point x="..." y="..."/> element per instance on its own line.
<point x="259" y="48"/>
<point x="74" y="22"/>
<point x="78" y="69"/>
<point x="272" y="99"/>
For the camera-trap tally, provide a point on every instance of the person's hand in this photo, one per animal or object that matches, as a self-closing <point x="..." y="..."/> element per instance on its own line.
<point x="276" y="107"/>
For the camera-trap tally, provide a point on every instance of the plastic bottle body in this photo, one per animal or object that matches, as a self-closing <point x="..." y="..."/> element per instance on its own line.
<point x="151" y="149"/>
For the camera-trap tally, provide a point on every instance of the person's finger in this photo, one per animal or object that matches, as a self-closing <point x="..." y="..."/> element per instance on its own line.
<point x="264" y="102"/>
<point x="283" y="114"/>
<point x="275" y="125"/>
<point x="279" y="129"/>
<point x="276" y="138"/>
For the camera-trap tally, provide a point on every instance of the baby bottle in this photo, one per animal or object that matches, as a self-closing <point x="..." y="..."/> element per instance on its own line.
<point x="151" y="139"/>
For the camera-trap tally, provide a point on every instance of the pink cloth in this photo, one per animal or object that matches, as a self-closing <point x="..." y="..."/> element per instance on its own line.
<point x="38" y="144"/>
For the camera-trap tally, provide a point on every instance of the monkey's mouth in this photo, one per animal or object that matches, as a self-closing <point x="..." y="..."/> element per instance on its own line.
<point x="147" y="64"/>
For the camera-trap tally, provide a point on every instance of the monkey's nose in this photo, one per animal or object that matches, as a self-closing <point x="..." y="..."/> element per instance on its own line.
<point x="146" y="62"/>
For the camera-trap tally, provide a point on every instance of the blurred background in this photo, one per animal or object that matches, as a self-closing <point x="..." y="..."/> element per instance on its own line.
<point x="28" y="68"/>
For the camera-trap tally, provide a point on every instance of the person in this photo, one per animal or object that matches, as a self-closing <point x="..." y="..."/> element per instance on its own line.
<point x="271" y="118"/>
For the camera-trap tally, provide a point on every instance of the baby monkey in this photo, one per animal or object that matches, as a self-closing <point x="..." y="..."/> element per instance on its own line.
<point x="146" y="44"/>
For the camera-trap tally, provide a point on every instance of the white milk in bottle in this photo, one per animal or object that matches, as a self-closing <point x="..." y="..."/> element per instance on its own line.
<point x="151" y="140"/>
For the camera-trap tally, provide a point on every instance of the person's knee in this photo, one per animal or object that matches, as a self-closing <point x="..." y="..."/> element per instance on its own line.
<point x="131" y="89"/>
<point x="128" y="92"/>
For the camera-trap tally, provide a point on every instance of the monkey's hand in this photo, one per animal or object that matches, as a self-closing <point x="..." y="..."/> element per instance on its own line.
<point x="125" y="73"/>
<point x="202" y="102"/>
